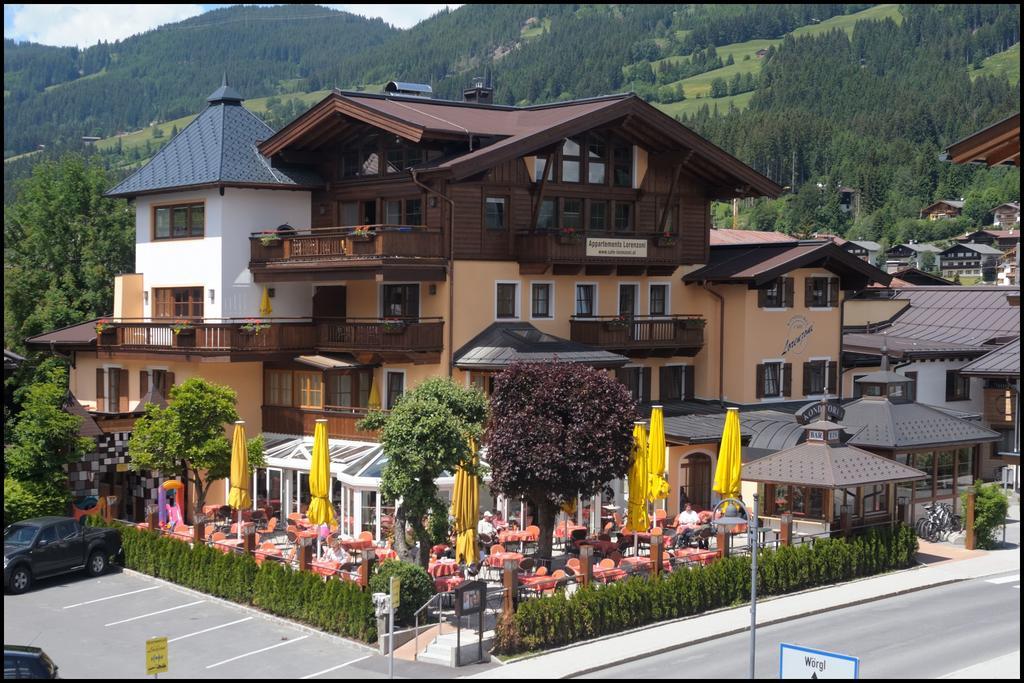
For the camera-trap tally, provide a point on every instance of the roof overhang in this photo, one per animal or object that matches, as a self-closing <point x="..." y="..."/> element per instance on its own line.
<point x="997" y="144"/>
<point x="851" y="269"/>
<point x="214" y="186"/>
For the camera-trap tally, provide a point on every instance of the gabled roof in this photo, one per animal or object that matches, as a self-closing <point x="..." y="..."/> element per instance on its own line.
<point x="865" y="244"/>
<point x="721" y="236"/>
<point x="996" y="144"/>
<point x="89" y="426"/>
<point x="12" y="360"/>
<point x="514" y="132"/>
<point x="1005" y="360"/>
<point x="982" y="249"/>
<point x="908" y="277"/>
<point x="80" y="335"/>
<point x="218" y="148"/>
<point x="503" y="344"/>
<point x="957" y="320"/>
<point x="918" y="247"/>
<point x="759" y="264"/>
<point x="955" y="203"/>
<point x="1012" y="205"/>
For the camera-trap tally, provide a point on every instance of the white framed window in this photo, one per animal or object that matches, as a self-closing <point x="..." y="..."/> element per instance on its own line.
<point x="586" y="305"/>
<point x="659" y="298"/>
<point x="394" y="387"/>
<point x="629" y="299"/>
<point x="506" y="300"/>
<point x="542" y="300"/>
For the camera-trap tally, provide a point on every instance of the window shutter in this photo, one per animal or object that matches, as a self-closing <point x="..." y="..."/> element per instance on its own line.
<point x="759" y="381"/>
<point x="667" y="390"/>
<point x="688" y="382"/>
<point x="143" y="383"/>
<point x="787" y="379"/>
<point x="808" y="369"/>
<point x="122" y="391"/>
<point x="645" y="390"/>
<point x="833" y="378"/>
<point x="808" y="292"/>
<point x="101" y="380"/>
<point x="787" y="296"/>
<point x="950" y="385"/>
<point x="833" y="292"/>
<point x="170" y="383"/>
<point x="762" y="298"/>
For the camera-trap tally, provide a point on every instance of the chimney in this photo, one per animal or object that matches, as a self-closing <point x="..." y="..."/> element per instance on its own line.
<point x="479" y="93"/>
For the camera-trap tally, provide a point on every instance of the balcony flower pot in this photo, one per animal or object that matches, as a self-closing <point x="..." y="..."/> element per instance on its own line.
<point x="569" y="238"/>
<point x="252" y="328"/>
<point x="616" y="324"/>
<point x="186" y="339"/>
<point x="394" y="326"/>
<point x="106" y="337"/>
<point x="270" y="240"/>
<point x="665" y="240"/>
<point x="692" y="323"/>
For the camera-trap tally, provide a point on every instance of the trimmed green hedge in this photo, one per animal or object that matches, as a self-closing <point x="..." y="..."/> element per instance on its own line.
<point x="339" y="607"/>
<point x="417" y="586"/>
<point x="596" y="611"/>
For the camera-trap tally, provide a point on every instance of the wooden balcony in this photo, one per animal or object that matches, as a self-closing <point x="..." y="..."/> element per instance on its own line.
<point x="392" y="252"/>
<point x="641" y="336"/>
<point x="419" y="340"/>
<point x="341" y="422"/>
<point x="624" y="254"/>
<point x="1000" y="407"/>
<point x="210" y="336"/>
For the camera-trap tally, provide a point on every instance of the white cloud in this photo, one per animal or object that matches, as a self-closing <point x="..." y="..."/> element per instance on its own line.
<point x="85" y="25"/>
<point x="402" y="16"/>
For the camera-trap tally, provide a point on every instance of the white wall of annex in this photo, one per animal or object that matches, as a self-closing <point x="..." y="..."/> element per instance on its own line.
<point x="246" y="211"/>
<point x="931" y="385"/>
<point x="180" y="263"/>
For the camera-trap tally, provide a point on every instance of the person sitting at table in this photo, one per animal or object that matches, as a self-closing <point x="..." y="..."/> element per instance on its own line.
<point x="687" y="522"/>
<point x="334" y="553"/>
<point x="486" y="533"/>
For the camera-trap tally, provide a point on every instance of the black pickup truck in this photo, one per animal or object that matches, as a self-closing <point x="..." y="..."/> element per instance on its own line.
<point x="45" y="546"/>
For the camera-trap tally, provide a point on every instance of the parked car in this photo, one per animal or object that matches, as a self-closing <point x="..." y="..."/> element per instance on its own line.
<point x="46" y="546"/>
<point x="21" y="661"/>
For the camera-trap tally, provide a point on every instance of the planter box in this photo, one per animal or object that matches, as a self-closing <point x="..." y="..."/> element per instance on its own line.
<point x="107" y="337"/>
<point x="665" y="241"/>
<point x="569" y="239"/>
<point x="186" y="339"/>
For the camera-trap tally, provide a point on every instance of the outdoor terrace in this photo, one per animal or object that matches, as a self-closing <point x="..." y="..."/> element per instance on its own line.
<point x="395" y="252"/>
<point x="640" y="336"/>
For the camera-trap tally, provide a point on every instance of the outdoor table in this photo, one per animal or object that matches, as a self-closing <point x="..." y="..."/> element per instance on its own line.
<point x="385" y="554"/>
<point x="325" y="568"/>
<point x="446" y="584"/>
<point x="540" y="583"/>
<point x="635" y="563"/>
<point x="357" y="544"/>
<point x="261" y="555"/>
<point x="609" y="575"/>
<point x="696" y="555"/>
<point x="182" y="533"/>
<point x="227" y="544"/>
<point x="443" y="568"/>
<point x="562" y="532"/>
<point x="603" y="547"/>
<point x="510" y="536"/>
<point x="498" y="559"/>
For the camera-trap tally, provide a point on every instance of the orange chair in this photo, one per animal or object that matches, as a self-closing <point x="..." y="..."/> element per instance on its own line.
<point x="533" y="533"/>
<point x="606" y="563"/>
<point x="218" y="536"/>
<point x="559" y="576"/>
<point x="574" y="564"/>
<point x="659" y="517"/>
<point x="497" y="548"/>
<point x="366" y="536"/>
<point x="271" y="529"/>
<point x="541" y="571"/>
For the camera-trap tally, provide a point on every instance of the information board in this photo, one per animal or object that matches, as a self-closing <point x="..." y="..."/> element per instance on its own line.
<point x="156" y="656"/>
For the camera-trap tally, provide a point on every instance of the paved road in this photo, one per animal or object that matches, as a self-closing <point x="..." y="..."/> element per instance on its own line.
<point x="97" y="628"/>
<point x="926" y="634"/>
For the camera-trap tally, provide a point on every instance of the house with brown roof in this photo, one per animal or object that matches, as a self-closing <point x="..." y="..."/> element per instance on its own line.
<point x="944" y="208"/>
<point x="1006" y="216"/>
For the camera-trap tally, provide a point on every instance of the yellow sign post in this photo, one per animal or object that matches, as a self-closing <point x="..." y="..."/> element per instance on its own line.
<point x="396" y="584"/>
<point x="156" y="656"/>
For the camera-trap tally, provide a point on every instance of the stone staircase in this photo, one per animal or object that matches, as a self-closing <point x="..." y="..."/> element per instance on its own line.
<point x="441" y="649"/>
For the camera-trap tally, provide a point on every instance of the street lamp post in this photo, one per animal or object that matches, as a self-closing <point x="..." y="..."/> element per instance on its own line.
<point x="751" y="522"/>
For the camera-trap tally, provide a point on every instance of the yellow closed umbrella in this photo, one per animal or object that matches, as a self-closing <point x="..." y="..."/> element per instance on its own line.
<point x="239" y="498"/>
<point x="265" y="307"/>
<point x="727" y="472"/>
<point x="373" y="403"/>
<point x="320" y="510"/>
<point x="636" y="506"/>
<point x="657" y="487"/>
<point x="465" y="509"/>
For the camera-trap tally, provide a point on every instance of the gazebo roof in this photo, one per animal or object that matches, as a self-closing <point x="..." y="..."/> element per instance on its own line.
<point x="824" y="465"/>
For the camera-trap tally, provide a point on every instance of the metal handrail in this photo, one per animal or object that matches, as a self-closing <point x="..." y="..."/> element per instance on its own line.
<point x="416" y="626"/>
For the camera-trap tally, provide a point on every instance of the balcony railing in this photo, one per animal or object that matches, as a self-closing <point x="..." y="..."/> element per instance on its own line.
<point x="596" y="249"/>
<point x="681" y="334"/>
<point x="410" y="335"/>
<point x="209" y="335"/>
<point x="346" y="244"/>
<point x="341" y="422"/>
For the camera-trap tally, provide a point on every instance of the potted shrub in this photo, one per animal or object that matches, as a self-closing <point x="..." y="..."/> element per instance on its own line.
<point x="619" y="322"/>
<point x="394" y="326"/>
<point x="253" y="326"/>
<point x="270" y="239"/>
<point x="568" y="236"/>
<point x="105" y="331"/>
<point x="184" y="333"/>
<point x="665" y="239"/>
<point x="362" y="234"/>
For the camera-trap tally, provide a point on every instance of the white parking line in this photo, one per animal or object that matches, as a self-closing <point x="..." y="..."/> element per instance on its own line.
<point x="1005" y="579"/>
<point x="334" y="668"/>
<point x="143" y="616"/>
<point x="207" y="630"/>
<point x="256" y="652"/>
<point x="111" y="597"/>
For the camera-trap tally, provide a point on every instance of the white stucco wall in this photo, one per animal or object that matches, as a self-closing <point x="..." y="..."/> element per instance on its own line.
<point x="931" y="385"/>
<point x="220" y="260"/>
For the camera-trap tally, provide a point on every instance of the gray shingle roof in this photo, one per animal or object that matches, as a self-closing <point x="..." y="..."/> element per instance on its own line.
<point x="502" y="344"/>
<point x="877" y="423"/>
<point x="827" y="466"/>
<point x="217" y="148"/>
<point x="975" y="247"/>
<point x="1005" y="360"/>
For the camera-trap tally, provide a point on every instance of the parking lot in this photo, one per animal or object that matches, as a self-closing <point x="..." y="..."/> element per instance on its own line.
<point x="97" y="628"/>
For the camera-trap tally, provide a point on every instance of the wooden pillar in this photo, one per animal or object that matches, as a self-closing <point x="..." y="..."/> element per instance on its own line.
<point x="586" y="565"/>
<point x="845" y="520"/>
<point x="657" y="545"/>
<point x="508" y="582"/>
<point x="969" y="541"/>
<point x="723" y="543"/>
<point x="154" y="519"/>
<point x="248" y="538"/>
<point x="364" y="569"/>
<point x="305" y="554"/>
<point x="786" y="528"/>
<point x="198" y="532"/>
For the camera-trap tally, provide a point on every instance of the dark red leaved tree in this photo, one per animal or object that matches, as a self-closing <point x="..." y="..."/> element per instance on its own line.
<point x="557" y="430"/>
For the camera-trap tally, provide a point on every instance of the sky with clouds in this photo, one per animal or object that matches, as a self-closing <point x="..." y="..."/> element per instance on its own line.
<point x="85" y="25"/>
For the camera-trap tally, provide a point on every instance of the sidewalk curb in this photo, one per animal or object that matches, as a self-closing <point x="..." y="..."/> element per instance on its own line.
<point x="254" y="611"/>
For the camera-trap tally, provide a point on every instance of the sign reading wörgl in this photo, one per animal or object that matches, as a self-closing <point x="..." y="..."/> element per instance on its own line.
<point x="601" y="246"/>
<point x="803" y="662"/>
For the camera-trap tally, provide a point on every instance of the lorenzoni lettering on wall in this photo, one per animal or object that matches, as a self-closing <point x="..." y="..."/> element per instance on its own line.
<point x="800" y="330"/>
<point x="597" y="246"/>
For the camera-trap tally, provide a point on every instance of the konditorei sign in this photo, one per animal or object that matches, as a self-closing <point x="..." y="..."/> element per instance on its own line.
<point x="613" y="246"/>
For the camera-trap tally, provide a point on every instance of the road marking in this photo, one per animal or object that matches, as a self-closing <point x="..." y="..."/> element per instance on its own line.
<point x="207" y="630"/>
<point x="1005" y="579"/>
<point x="111" y="597"/>
<point x="151" y="614"/>
<point x="256" y="652"/>
<point x="334" y="668"/>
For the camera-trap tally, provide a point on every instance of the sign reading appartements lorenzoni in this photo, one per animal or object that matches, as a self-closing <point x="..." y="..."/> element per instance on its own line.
<point x="601" y="246"/>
